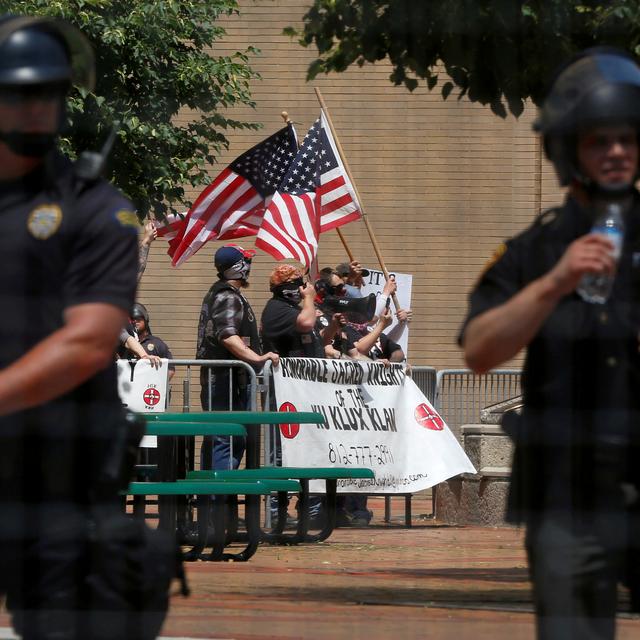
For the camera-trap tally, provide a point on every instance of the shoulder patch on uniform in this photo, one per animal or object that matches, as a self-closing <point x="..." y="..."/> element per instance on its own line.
<point x="127" y="218"/>
<point x="151" y="347"/>
<point x="498" y="252"/>
<point x="44" y="221"/>
<point x="547" y="217"/>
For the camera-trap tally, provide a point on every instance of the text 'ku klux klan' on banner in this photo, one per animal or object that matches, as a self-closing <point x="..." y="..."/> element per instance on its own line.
<point x="285" y="195"/>
<point x="376" y="417"/>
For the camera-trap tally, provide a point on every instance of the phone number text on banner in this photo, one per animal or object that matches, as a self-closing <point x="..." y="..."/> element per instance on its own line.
<point x="376" y="417"/>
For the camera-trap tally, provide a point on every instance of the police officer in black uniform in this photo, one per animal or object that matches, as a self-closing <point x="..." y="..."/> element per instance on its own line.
<point x="227" y="330"/>
<point x="152" y="345"/>
<point x="575" y="480"/>
<point x="68" y="278"/>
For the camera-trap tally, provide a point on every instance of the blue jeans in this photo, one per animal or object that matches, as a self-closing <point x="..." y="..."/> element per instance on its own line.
<point x="215" y="395"/>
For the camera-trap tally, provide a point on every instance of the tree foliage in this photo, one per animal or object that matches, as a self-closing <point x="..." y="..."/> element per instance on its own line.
<point x="495" y="52"/>
<point x="151" y="66"/>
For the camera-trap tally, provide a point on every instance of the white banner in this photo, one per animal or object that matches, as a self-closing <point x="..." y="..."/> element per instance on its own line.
<point x="376" y="417"/>
<point x="374" y="283"/>
<point x="143" y="388"/>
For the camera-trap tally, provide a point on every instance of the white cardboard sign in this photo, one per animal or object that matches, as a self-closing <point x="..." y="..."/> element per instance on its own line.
<point x="143" y="388"/>
<point x="374" y="283"/>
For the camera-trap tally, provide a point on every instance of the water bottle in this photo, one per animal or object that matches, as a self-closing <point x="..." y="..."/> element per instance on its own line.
<point x="596" y="287"/>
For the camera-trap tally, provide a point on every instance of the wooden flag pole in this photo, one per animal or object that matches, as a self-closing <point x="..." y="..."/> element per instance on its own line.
<point x="372" y="236"/>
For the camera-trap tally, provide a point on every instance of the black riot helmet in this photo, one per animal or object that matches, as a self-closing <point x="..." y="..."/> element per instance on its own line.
<point x="599" y="86"/>
<point x="140" y="311"/>
<point x="44" y="51"/>
<point x="40" y="56"/>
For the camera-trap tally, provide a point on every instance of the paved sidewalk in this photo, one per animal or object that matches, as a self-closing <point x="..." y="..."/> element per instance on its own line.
<point x="381" y="582"/>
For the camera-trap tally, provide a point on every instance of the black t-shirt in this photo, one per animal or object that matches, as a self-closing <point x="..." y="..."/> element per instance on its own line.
<point x="279" y="332"/>
<point x="62" y="244"/>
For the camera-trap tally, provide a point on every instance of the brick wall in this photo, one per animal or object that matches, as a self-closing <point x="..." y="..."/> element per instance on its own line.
<point x="443" y="183"/>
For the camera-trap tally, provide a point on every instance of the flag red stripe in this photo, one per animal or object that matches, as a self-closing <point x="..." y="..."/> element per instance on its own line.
<point x="220" y="215"/>
<point x="211" y="210"/>
<point x="212" y="187"/>
<point x="292" y="206"/>
<point x="269" y="248"/>
<point x="278" y="234"/>
<point x="336" y="204"/>
<point x="338" y="222"/>
<point x="281" y="230"/>
<point x="336" y="183"/>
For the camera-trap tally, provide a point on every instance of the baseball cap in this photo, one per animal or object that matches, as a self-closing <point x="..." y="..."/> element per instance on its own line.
<point x="228" y="255"/>
<point x="344" y="269"/>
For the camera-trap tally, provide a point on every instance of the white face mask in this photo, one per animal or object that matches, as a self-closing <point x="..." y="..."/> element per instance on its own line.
<point x="239" y="271"/>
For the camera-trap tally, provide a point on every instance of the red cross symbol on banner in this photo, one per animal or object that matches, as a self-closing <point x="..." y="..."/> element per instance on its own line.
<point x="288" y="430"/>
<point x="428" y="417"/>
<point x="151" y="396"/>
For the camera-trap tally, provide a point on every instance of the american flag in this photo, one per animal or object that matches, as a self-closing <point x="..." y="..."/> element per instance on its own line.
<point x="232" y="206"/>
<point x="172" y="226"/>
<point x="314" y="196"/>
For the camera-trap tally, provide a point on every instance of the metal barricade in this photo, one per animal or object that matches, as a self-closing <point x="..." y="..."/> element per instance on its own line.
<point x="191" y="387"/>
<point x="187" y="378"/>
<point x="461" y="394"/>
<point x="426" y="379"/>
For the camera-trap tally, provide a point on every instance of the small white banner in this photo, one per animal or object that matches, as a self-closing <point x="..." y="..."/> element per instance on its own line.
<point x="376" y="417"/>
<point x="143" y="388"/>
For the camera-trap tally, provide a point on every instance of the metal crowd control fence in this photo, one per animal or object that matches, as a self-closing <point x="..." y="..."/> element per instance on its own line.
<point x="461" y="395"/>
<point x="190" y="382"/>
<point x="189" y="386"/>
<point x="426" y="379"/>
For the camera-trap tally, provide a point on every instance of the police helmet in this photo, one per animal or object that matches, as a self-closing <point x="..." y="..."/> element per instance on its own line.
<point x="140" y="311"/>
<point x="36" y="51"/>
<point x="599" y="86"/>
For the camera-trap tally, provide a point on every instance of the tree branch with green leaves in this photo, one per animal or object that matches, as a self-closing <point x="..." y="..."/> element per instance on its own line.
<point x="156" y="78"/>
<point x="495" y="52"/>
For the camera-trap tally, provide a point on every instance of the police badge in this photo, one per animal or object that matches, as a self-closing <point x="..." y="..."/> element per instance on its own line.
<point x="44" y="221"/>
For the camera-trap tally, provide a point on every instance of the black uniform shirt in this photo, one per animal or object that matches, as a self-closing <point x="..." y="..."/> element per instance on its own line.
<point x="279" y="333"/>
<point x="581" y="377"/>
<point x="59" y="250"/>
<point x="155" y="346"/>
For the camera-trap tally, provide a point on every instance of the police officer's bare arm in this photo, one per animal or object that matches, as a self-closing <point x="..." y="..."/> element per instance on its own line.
<point x="500" y="333"/>
<point x="63" y="360"/>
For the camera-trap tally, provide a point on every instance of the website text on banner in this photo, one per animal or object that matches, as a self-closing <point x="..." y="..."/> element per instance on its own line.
<point x="374" y="283"/>
<point x="376" y="417"/>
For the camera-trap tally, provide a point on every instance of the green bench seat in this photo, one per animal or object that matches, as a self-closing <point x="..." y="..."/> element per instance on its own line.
<point x="194" y="428"/>
<point x="210" y="487"/>
<point x="239" y="417"/>
<point x="284" y="473"/>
